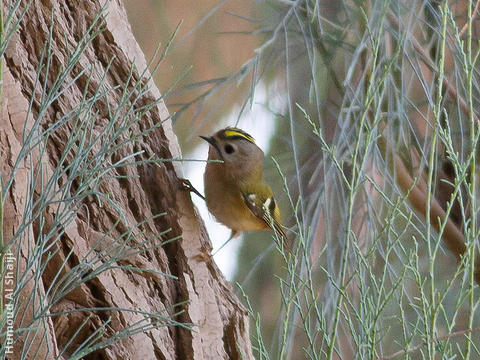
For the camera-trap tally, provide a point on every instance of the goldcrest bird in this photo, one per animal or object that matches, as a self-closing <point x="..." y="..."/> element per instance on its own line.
<point x="235" y="190"/>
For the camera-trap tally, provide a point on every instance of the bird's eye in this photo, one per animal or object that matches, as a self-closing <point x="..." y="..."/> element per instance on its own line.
<point x="229" y="149"/>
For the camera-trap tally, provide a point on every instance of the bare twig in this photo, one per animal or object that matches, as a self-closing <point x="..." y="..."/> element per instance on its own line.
<point x="464" y="28"/>
<point x="441" y="338"/>
<point x="425" y="58"/>
<point x="415" y="188"/>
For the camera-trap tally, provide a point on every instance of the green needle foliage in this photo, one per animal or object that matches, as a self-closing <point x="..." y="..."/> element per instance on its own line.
<point x="376" y="147"/>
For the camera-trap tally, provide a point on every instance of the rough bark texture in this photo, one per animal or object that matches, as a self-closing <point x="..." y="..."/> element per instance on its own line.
<point x="221" y="322"/>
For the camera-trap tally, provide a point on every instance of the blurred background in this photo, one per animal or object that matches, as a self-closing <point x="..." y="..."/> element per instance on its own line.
<point x="213" y="41"/>
<point x="362" y="105"/>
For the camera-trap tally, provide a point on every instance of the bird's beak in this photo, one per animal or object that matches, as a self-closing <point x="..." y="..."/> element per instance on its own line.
<point x="212" y="142"/>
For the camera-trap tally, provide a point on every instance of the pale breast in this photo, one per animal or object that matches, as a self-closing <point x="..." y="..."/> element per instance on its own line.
<point x="229" y="208"/>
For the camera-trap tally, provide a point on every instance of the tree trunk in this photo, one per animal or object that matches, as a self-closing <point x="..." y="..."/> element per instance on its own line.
<point x="105" y="239"/>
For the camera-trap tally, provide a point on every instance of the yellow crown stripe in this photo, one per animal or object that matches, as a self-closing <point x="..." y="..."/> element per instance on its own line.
<point x="232" y="133"/>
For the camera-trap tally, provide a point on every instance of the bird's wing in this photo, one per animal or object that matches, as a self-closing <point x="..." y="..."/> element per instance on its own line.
<point x="264" y="209"/>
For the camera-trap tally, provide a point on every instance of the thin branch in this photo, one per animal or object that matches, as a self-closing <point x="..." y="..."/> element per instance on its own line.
<point x="465" y="27"/>
<point x="415" y="188"/>
<point x="441" y="338"/>
<point x="425" y="58"/>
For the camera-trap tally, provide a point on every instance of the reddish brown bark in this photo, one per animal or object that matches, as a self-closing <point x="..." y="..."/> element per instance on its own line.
<point x="220" y="329"/>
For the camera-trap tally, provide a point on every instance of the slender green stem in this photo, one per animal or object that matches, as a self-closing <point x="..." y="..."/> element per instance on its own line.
<point x="358" y="160"/>
<point x="471" y="239"/>
<point x="429" y="308"/>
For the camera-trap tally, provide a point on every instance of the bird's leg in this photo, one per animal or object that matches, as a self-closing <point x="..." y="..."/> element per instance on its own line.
<point x="187" y="185"/>
<point x="233" y="234"/>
